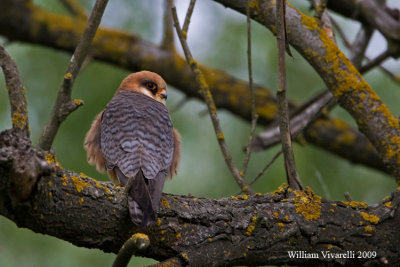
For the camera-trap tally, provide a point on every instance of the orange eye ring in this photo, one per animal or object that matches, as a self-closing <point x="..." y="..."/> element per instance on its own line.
<point x="151" y="86"/>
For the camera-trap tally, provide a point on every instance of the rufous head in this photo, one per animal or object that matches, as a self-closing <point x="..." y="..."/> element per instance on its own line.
<point x="147" y="83"/>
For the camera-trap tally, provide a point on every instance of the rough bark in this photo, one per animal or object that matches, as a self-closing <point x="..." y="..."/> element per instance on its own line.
<point x="242" y="230"/>
<point x="23" y="21"/>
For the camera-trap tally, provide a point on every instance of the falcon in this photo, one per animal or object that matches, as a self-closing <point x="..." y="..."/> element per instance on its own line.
<point x="133" y="139"/>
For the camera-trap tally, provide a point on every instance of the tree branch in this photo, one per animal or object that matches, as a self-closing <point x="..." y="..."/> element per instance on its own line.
<point x="75" y="8"/>
<point x="16" y="93"/>
<point x="64" y="105"/>
<point x="244" y="230"/>
<point x="212" y="109"/>
<point x="284" y="127"/>
<point x="20" y="21"/>
<point x="347" y="85"/>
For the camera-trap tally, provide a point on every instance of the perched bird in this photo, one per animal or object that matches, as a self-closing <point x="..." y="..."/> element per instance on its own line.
<point x="133" y="140"/>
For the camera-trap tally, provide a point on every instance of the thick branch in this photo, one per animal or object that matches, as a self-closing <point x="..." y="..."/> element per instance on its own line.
<point x="249" y="230"/>
<point x="29" y="23"/>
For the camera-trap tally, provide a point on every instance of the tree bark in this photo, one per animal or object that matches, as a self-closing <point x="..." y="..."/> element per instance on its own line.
<point x="240" y="230"/>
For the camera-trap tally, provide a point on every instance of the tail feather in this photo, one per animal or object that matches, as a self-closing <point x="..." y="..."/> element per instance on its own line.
<point x="139" y="199"/>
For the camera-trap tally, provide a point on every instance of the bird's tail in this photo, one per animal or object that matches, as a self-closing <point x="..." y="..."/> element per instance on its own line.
<point x="139" y="199"/>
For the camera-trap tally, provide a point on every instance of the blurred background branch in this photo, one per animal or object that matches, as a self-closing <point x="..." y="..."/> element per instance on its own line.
<point x="133" y="53"/>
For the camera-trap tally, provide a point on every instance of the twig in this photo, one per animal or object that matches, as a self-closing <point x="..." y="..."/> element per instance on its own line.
<point x="254" y="116"/>
<point x="168" y="38"/>
<point x="179" y="105"/>
<point x="135" y="243"/>
<point x="266" y="167"/>
<point x="16" y="94"/>
<point x="75" y="8"/>
<point x="303" y="116"/>
<point x="347" y="196"/>
<point x="359" y="46"/>
<point x="290" y="166"/>
<point x="208" y="99"/>
<point x="186" y="23"/>
<point x="341" y="34"/>
<point x="64" y="105"/>
<point x="377" y="61"/>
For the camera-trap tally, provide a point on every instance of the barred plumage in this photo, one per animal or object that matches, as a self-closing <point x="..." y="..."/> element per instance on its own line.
<point x="134" y="138"/>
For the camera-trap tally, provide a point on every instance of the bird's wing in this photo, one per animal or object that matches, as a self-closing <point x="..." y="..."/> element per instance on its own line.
<point x="137" y="133"/>
<point x="137" y="141"/>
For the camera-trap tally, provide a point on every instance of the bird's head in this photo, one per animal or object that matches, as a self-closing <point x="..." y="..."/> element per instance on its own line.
<point x="147" y="83"/>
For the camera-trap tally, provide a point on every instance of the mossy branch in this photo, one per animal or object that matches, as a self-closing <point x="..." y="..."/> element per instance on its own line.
<point x="20" y="22"/>
<point x="243" y="230"/>
<point x="350" y="89"/>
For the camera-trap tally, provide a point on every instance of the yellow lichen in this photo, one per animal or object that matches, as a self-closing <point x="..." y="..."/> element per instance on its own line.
<point x="276" y="214"/>
<point x="178" y="235"/>
<point x="165" y="202"/>
<point x="235" y="197"/>
<point x="281" y="189"/>
<point x="64" y="180"/>
<point x="368" y="228"/>
<point x="19" y="119"/>
<point x="308" y="204"/>
<point x="81" y="200"/>
<point x="78" y="102"/>
<point x="250" y="229"/>
<point x="355" y="204"/>
<point x="245" y="197"/>
<point x="210" y="239"/>
<point x="185" y="256"/>
<point x="254" y="4"/>
<point x="370" y="217"/>
<point x="140" y="236"/>
<point x="159" y="222"/>
<point x="220" y="136"/>
<point x="68" y="76"/>
<point x="388" y="204"/>
<point x="80" y="184"/>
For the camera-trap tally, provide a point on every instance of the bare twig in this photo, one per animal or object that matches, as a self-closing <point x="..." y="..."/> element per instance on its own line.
<point x="186" y="23"/>
<point x="254" y="116"/>
<point x="208" y="99"/>
<point x="135" y="243"/>
<point x="266" y="167"/>
<point x="290" y="166"/>
<point x="301" y="117"/>
<point x="168" y="38"/>
<point x="377" y="61"/>
<point x="64" y="105"/>
<point x="341" y="34"/>
<point x="347" y="196"/>
<point x="180" y="104"/>
<point x="75" y="8"/>
<point x="359" y="46"/>
<point x="16" y="94"/>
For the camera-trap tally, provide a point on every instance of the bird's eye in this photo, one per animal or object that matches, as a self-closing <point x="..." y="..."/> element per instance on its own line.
<point x="151" y="86"/>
